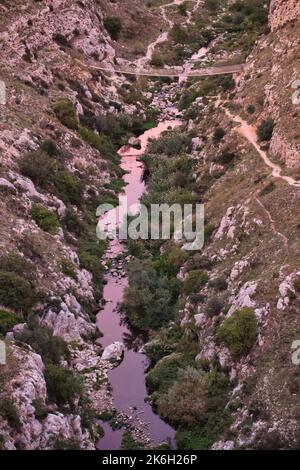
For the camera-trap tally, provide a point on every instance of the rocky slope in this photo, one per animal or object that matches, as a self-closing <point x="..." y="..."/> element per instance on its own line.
<point x="283" y="12"/>
<point x="46" y="48"/>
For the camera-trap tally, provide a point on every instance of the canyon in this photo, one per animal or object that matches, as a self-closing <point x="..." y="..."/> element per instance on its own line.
<point x="90" y="365"/>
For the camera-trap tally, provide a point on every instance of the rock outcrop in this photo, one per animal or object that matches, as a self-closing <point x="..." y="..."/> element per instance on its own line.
<point x="283" y="12"/>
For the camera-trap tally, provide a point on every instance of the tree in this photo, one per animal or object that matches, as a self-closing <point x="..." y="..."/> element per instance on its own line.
<point x="185" y="402"/>
<point x="62" y="384"/>
<point x="150" y="302"/>
<point x="113" y="25"/>
<point x="265" y="130"/>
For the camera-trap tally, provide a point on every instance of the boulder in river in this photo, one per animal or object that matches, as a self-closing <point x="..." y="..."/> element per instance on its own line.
<point x="135" y="143"/>
<point x="114" y="352"/>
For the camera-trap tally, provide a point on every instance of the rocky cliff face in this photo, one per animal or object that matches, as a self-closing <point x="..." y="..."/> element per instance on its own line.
<point x="254" y="243"/>
<point x="271" y="81"/>
<point x="47" y="48"/>
<point x="283" y="12"/>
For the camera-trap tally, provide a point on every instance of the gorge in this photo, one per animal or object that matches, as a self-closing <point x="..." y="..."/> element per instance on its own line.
<point x="143" y="345"/>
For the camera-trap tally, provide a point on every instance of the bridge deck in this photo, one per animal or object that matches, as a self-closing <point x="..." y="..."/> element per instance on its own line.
<point x="204" y="72"/>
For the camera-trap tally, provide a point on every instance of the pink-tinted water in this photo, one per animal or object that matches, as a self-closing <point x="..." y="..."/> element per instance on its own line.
<point x="128" y="379"/>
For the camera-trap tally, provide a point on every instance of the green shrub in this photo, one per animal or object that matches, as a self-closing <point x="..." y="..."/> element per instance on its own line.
<point x="193" y="440"/>
<point x="72" y="222"/>
<point x="182" y="8"/>
<point x="90" y="251"/>
<point x="49" y="146"/>
<point x="157" y="59"/>
<point x="251" y="109"/>
<point x="238" y="332"/>
<point x="41" y="339"/>
<point x="165" y="373"/>
<point x="40" y="409"/>
<point x="219" y="134"/>
<point x="67" y="444"/>
<point x="185" y="402"/>
<point x="171" y="260"/>
<point x="219" y="283"/>
<point x="171" y="144"/>
<point x="8" y="320"/>
<point x="9" y="411"/>
<point x="16" y="263"/>
<point x="149" y="301"/>
<point x="63" y="385"/>
<point x="297" y="285"/>
<point x="65" y="112"/>
<point x="44" y="218"/>
<point x="198" y="261"/>
<point x="39" y="167"/>
<point x="100" y="142"/>
<point x="178" y="34"/>
<point x="113" y="25"/>
<point x="214" y="307"/>
<point x="130" y="443"/>
<point x="69" y="188"/>
<point x="265" y="129"/>
<point x="194" y="282"/>
<point x="68" y="268"/>
<point x="212" y="5"/>
<point x="16" y="292"/>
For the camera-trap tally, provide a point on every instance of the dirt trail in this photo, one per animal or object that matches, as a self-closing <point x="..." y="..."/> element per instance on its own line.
<point x="272" y="224"/>
<point x="249" y="132"/>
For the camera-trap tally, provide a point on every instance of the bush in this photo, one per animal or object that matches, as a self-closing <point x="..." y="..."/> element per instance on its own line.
<point x="195" y="280"/>
<point x="39" y="167"/>
<point x="130" y="443"/>
<point x="44" y="218"/>
<point x="100" y="142"/>
<point x="178" y="34"/>
<point x="9" y="411"/>
<point x="49" y="146"/>
<point x="65" y="112"/>
<point x="63" y="385"/>
<point x="40" y="409"/>
<point x="165" y="373"/>
<point x="67" y="444"/>
<point x="8" y="320"/>
<point x="219" y="283"/>
<point x="171" y="144"/>
<point x="219" y="134"/>
<point x="69" y="188"/>
<point x="113" y="25"/>
<point x="68" y="268"/>
<point x="16" y="263"/>
<point x="238" y="332"/>
<point x="171" y="260"/>
<point x="90" y="251"/>
<point x="265" y="130"/>
<point x="214" y="307"/>
<point x="41" y="339"/>
<point x="251" y="109"/>
<point x="149" y="303"/>
<point x="185" y="402"/>
<point x="16" y="292"/>
<point x="157" y="60"/>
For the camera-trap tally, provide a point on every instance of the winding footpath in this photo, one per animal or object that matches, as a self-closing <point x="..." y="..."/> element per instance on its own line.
<point x="249" y="132"/>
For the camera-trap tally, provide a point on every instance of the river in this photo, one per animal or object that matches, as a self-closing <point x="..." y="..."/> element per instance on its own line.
<point x="128" y="379"/>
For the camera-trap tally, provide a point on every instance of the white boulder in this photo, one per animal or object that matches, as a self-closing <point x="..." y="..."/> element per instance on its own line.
<point x="114" y="352"/>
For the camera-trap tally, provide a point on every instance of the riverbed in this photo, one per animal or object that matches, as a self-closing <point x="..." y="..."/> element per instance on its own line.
<point x="128" y="379"/>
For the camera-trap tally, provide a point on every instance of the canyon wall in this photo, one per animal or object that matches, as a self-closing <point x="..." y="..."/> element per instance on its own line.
<point x="282" y="12"/>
